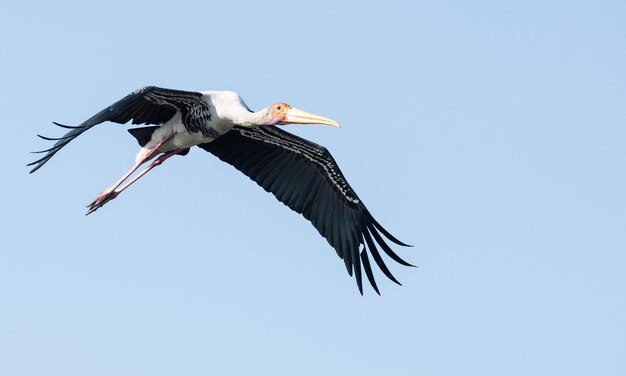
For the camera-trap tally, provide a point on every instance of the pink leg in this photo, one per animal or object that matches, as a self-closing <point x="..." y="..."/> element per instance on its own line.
<point x="105" y="195"/>
<point x="147" y="157"/>
<point x="115" y="192"/>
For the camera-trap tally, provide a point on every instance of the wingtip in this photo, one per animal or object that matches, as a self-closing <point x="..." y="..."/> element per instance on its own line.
<point x="37" y="164"/>
<point x="55" y="138"/>
<point x="387" y="234"/>
<point x="368" y="270"/>
<point x="377" y="258"/>
<point x="67" y="126"/>
<point x="376" y="289"/>
<point x="385" y="247"/>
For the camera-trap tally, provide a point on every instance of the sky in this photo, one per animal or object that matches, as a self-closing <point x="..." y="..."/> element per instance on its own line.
<point x="490" y="135"/>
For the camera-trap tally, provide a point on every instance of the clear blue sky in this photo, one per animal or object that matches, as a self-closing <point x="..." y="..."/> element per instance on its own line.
<point x="490" y="135"/>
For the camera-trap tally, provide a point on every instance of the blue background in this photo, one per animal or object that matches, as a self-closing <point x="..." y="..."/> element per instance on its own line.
<point x="490" y="135"/>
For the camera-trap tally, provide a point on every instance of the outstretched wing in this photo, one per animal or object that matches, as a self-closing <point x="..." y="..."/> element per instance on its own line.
<point x="306" y="178"/>
<point x="148" y="105"/>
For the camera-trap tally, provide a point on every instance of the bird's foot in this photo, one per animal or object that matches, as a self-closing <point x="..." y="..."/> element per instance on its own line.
<point x="103" y="198"/>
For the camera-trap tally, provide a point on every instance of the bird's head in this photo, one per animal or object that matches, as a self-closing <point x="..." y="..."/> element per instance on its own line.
<point x="282" y="113"/>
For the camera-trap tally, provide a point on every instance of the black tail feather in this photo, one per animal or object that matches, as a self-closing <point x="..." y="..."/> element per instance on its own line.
<point x="143" y="134"/>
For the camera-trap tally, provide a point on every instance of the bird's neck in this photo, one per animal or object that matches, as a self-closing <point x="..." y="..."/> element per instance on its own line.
<point x="251" y="119"/>
<point x="231" y="109"/>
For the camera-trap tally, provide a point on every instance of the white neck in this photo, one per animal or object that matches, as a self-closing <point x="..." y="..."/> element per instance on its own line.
<point x="230" y="108"/>
<point x="251" y="119"/>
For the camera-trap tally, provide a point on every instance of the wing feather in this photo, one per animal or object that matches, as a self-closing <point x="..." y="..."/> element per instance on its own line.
<point x="306" y="178"/>
<point x="148" y="105"/>
<point x="368" y="271"/>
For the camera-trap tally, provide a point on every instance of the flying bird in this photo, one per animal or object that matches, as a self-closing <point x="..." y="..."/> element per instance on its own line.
<point x="301" y="174"/>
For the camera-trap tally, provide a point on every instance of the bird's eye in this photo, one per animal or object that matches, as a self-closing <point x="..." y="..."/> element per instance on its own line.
<point x="279" y="107"/>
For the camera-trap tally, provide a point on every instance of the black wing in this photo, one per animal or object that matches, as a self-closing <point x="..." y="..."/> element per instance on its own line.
<point x="306" y="178"/>
<point x="148" y="105"/>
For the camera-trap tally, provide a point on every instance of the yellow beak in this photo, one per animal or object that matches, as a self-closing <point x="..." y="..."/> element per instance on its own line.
<point x="295" y="116"/>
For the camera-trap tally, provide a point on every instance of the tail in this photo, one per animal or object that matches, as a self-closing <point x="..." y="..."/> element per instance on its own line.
<point x="143" y="135"/>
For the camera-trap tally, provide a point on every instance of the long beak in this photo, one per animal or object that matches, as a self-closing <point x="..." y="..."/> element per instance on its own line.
<point x="295" y="116"/>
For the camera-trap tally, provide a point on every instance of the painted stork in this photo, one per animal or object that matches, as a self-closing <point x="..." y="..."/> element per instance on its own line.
<point x="301" y="174"/>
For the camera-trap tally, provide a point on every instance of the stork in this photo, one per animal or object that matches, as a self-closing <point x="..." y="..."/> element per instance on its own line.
<point x="301" y="174"/>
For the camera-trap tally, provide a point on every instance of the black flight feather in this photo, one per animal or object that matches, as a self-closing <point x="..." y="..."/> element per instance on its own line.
<point x="305" y="177"/>
<point x="148" y="105"/>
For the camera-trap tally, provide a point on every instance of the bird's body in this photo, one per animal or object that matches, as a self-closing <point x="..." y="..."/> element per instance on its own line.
<point x="223" y="110"/>
<point x="301" y="174"/>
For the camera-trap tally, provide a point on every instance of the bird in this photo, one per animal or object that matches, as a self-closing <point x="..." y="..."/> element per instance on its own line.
<point x="299" y="173"/>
